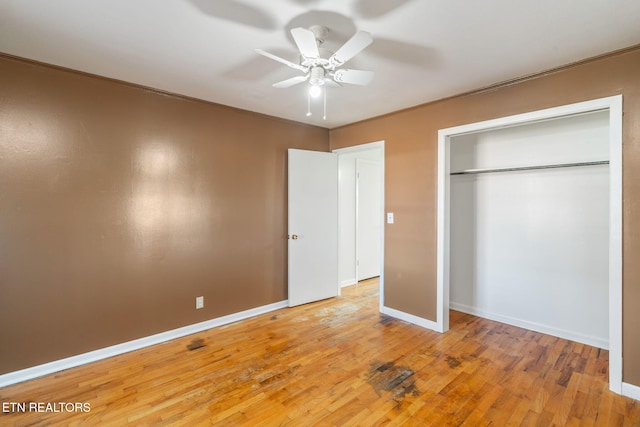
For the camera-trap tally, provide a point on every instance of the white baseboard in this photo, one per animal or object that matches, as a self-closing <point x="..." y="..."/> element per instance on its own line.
<point x="348" y="282"/>
<point x="103" y="353"/>
<point x="425" y="323"/>
<point x="630" y="390"/>
<point x="545" y="329"/>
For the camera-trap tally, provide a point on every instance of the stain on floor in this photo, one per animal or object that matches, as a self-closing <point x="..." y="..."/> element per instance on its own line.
<point x="196" y="344"/>
<point x="338" y="315"/>
<point x="386" y="320"/>
<point x="452" y="362"/>
<point x="262" y="374"/>
<point x="399" y="381"/>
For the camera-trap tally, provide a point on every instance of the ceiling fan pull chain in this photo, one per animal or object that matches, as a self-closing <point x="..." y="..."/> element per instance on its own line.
<point x="324" y="115"/>
<point x="308" y="104"/>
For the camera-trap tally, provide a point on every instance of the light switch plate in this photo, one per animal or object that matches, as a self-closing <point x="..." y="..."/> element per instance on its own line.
<point x="389" y="217"/>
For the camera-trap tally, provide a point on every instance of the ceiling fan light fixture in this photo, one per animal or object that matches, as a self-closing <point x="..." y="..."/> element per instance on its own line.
<point x="315" y="91"/>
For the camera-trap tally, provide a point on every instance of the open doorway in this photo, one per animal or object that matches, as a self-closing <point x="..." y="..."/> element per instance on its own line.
<point x="361" y="213"/>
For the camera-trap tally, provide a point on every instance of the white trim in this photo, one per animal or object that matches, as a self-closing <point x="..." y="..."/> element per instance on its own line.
<point x="615" y="244"/>
<point x="630" y="390"/>
<point x="361" y="147"/>
<point x="614" y="105"/>
<point x="533" y="326"/>
<point x="115" y="350"/>
<point x="348" y="282"/>
<point x="420" y="321"/>
<point x="369" y="146"/>
<point x="357" y="218"/>
<point x="442" y="235"/>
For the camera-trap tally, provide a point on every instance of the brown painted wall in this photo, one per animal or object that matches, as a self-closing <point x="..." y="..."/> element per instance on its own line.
<point x="411" y="167"/>
<point x="119" y="205"/>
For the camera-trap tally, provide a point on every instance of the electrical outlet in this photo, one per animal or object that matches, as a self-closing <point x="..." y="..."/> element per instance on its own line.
<point x="199" y="302"/>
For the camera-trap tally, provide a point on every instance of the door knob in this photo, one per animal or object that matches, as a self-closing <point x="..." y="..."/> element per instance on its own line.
<point x="294" y="236"/>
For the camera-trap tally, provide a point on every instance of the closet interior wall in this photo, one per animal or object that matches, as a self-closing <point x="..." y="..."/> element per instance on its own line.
<point x="530" y="247"/>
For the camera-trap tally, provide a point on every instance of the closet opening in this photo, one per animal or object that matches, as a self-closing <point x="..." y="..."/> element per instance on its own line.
<point x="529" y="223"/>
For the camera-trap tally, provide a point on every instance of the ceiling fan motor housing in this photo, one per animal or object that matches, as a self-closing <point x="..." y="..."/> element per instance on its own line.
<point x="320" y="32"/>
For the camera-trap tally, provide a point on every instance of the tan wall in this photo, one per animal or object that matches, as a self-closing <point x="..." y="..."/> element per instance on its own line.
<point x="119" y="205"/>
<point x="411" y="166"/>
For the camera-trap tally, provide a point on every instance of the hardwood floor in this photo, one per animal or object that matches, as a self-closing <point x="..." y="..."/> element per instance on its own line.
<point x="337" y="362"/>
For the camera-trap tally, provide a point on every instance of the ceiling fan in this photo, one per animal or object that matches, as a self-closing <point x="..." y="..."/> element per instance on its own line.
<point x="321" y="67"/>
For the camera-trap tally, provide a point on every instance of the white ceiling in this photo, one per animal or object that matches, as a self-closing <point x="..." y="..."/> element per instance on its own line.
<point x="423" y="50"/>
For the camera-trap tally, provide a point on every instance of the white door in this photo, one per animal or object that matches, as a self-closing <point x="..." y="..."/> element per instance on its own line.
<point x="313" y="226"/>
<point x="369" y="218"/>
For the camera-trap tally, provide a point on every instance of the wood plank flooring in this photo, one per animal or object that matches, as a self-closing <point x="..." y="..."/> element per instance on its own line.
<point x="337" y="363"/>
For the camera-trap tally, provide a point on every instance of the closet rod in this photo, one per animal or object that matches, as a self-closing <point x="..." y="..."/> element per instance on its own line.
<point x="526" y="168"/>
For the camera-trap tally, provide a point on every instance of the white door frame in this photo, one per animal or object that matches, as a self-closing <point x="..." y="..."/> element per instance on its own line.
<point x="363" y="147"/>
<point x="614" y="105"/>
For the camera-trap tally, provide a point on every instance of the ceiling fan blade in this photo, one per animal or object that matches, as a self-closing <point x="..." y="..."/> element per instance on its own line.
<point x="354" y="77"/>
<point x="351" y="48"/>
<point x="306" y="42"/>
<point x="282" y="60"/>
<point x="331" y="83"/>
<point x="290" y="82"/>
